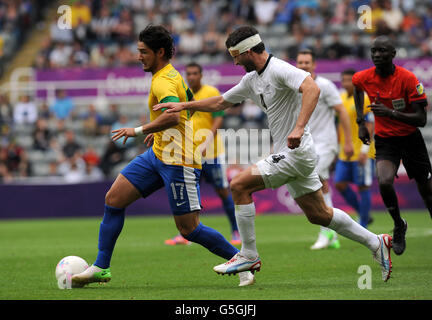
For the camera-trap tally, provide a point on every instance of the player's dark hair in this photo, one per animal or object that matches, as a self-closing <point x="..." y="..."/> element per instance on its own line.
<point x="307" y="51"/>
<point x="348" y="72"/>
<point x="157" y="37"/>
<point x="194" y="65"/>
<point x="242" y="33"/>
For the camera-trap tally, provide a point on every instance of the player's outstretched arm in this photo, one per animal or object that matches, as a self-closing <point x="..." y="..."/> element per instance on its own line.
<point x="363" y="132"/>
<point x="164" y="121"/>
<point x="207" y="105"/>
<point x="310" y="97"/>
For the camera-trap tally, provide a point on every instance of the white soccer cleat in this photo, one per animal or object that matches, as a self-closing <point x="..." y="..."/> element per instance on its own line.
<point x="323" y="241"/>
<point x="246" y="278"/>
<point x="92" y="274"/>
<point x="237" y="264"/>
<point x="382" y="255"/>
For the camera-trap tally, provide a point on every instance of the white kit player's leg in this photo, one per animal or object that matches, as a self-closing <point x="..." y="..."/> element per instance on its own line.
<point x="328" y="201"/>
<point x="343" y="224"/>
<point x="317" y="212"/>
<point x="379" y="244"/>
<point x="327" y="238"/>
<point x="245" y="216"/>
<point x="242" y="187"/>
<point x="247" y="259"/>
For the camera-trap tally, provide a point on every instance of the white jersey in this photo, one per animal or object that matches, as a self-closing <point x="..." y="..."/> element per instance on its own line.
<point x="275" y="90"/>
<point x="322" y="121"/>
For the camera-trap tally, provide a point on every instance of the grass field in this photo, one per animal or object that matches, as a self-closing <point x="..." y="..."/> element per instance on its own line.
<point x="144" y="268"/>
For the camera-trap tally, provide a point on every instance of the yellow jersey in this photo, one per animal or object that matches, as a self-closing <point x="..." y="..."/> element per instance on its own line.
<point x="175" y="145"/>
<point x="349" y="104"/>
<point x="204" y="120"/>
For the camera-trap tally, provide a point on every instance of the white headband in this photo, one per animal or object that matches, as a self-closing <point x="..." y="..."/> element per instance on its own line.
<point x="245" y="45"/>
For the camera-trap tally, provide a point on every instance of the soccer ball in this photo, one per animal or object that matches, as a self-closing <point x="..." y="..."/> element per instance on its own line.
<point x="66" y="268"/>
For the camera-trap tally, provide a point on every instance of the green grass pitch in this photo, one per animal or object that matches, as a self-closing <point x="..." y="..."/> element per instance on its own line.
<point x="144" y="268"/>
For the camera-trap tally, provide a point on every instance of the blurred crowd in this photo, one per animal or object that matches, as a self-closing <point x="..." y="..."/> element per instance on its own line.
<point x="104" y="32"/>
<point x="53" y="137"/>
<point x="17" y="17"/>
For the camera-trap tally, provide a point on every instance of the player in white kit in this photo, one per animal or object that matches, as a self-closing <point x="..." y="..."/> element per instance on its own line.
<point x="273" y="85"/>
<point x="323" y="129"/>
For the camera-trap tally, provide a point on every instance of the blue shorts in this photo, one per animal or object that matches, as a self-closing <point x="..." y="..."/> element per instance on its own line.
<point x="148" y="174"/>
<point x="351" y="171"/>
<point x="214" y="172"/>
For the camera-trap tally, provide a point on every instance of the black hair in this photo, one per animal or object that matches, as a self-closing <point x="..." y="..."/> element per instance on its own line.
<point x="242" y="33"/>
<point x="349" y="72"/>
<point x="196" y="65"/>
<point x="307" y="51"/>
<point x="157" y="37"/>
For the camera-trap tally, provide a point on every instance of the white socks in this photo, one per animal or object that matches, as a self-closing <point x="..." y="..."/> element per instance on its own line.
<point x="245" y="216"/>
<point x="343" y="224"/>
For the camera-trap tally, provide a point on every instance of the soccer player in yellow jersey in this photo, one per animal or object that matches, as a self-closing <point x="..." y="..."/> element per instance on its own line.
<point x="359" y="168"/>
<point x="213" y="168"/>
<point x="171" y="163"/>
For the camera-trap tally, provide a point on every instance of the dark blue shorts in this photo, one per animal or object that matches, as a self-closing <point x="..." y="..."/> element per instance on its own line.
<point x="352" y="171"/>
<point x="148" y="174"/>
<point x="214" y="172"/>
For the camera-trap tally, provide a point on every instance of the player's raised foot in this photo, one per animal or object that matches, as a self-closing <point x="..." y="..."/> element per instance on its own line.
<point x="237" y="264"/>
<point x="324" y="239"/>
<point x="92" y="274"/>
<point x="399" y="242"/>
<point x="178" y="239"/>
<point x="247" y="278"/>
<point x="382" y="255"/>
<point x="235" y="238"/>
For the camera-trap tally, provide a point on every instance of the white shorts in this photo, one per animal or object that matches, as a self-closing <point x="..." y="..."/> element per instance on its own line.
<point x="293" y="167"/>
<point x="325" y="159"/>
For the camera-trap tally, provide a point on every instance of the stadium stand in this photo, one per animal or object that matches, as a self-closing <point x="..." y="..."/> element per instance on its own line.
<point x="65" y="137"/>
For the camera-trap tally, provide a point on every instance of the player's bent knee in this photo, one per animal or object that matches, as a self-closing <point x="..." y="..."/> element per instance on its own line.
<point x="187" y="223"/>
<point x="114" y="199"/>
<point x="110" y="198"/>
<point x="238" y="187"/>
<point x="323" y="218"/>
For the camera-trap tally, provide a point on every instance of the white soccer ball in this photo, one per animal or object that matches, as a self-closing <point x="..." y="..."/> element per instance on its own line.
<point x="66" y="268"/>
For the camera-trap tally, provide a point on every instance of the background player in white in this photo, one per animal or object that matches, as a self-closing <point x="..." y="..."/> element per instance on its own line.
<point x="273" y="84"/>
<point x="323" y="129"/>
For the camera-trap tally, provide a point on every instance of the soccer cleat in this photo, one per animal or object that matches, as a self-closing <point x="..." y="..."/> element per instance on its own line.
<point x="334" y="244"/>
<point x="399" y="242"/>
<point x="235" y="238"/>
<point x="178" y="239"/>
<point x="92" y="274"/>
<point x="382" y="255"/>
<point x="324" y="240"/>
<point x="246" y="278"/>
<point x="237" y="264"/>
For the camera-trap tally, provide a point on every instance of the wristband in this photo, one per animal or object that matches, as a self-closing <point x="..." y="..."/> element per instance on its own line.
<point x="139" y="131"/>
<point x="365" y="148"/>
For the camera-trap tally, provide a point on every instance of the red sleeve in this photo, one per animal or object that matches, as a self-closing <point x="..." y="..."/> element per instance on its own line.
<point x="357" y="80"/>
<point x="414" y="88"/>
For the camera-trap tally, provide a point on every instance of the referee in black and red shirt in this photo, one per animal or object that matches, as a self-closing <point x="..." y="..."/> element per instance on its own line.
<point x="399" y="106"/>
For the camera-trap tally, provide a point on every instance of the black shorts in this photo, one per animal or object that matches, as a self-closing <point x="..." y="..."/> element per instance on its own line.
<point x="411" y="150"/>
